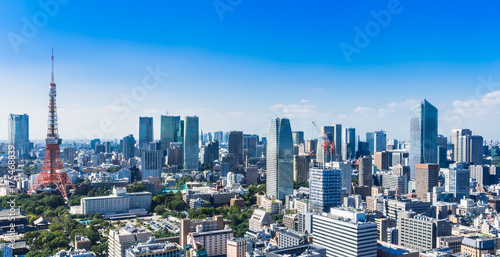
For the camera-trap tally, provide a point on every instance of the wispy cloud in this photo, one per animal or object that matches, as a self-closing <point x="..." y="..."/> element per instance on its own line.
<point x="405" y="104"/>
<point x="362" y="109"/>
<point x="293" y="110"/>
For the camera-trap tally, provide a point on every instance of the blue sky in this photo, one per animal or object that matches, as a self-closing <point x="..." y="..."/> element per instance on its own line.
<point x="264" y="59"/>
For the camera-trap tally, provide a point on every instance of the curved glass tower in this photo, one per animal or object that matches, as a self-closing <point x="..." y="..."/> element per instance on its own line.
<point x="279" y="159"/>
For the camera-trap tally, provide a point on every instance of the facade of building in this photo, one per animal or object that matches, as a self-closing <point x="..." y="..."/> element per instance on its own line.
<point x="19" y="134"/>
<point x="420" y="232"/>
<point x="350" y="142"/>
<point x="456" y="181"/>
<point x="423" y="135"/>
<point x="324" y="189"/>
<point x="190" y="145"/>
<point x="119" y="240"/>
<point x="259" y="220"/>
<point x="237" y="246"/>
<point x="151" y="248"/>
<point x="426" y="179"/>
<point x="279" y="180"/>
<point x="118" y="202"/>
<point x="365" y="171"/>
<point x="145" y="131"/>
<point x="127" y="145"/>
<point x="301" y="167"/>
<point x="343" y="237"/>
<point x="169" y="128"/>
<point x="236" y="146"/>
<point x="151" y="164"/>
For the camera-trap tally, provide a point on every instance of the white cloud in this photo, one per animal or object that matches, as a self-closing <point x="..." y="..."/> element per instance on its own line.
<point x="237" y="114"/>
<point x="409" y="103"/>
<point x="362" y="109"/>
<point x="293" y="110"/>
<point x="304" y="100"/>
<point x="152" y="112"/>
<point x="485" y="105"/>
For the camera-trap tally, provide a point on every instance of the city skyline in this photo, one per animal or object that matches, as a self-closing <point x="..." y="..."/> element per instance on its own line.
<point x="303" y="80"/>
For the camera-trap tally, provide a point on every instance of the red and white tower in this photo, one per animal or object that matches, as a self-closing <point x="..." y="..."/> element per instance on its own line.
<point x="52" y="173"/>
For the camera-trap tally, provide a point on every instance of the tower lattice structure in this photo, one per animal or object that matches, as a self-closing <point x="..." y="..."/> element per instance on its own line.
<point x="52" y="173"/>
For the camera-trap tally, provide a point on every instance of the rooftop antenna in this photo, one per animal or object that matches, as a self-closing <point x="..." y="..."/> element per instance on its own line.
<point x="52" y="65"/>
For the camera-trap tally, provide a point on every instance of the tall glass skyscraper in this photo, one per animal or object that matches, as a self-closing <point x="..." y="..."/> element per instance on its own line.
<point x="191" y="143"/>
<point x="145" y="131"/>
<point x="169" y="128"/>
<point x="350" y="142"/>
<point x="19" y="134"/>
<point x="423" y="135"/>
<point x="279" y="159"/>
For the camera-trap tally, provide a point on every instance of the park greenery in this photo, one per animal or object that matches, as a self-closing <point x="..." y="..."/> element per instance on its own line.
<point x="63" y="226"/>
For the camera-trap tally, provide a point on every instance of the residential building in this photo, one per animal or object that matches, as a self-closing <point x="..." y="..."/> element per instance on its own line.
<point x="259" y="220"/>
<point x="301" y="167"/>
<point x="119" y="240"/>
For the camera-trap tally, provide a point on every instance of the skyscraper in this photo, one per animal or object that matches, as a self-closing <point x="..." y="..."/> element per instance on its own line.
<point x="145" y="131"/>
<point x="19" y="134"/>
<point x="337" y="137"/>
<point x="365" y="177"/>
<point x="279" y="159"/>
<point x="169" y="128"/>
<point x="324" y="189"/>
<point x="298" y="137"/>
<point x="350" y="141"/>
<point x="235" y="146"/>
<point x="250" y="144"/>
<point x="191" y="143"/>
<point x="379" y="141"/>
<point x="423" y="135"/>
<point x="128" y="147"/>
<point x="456" y="181"/>
<point x="151" y="164"/>
<point x="460" y="141"/>
<point x="476" y="150"/>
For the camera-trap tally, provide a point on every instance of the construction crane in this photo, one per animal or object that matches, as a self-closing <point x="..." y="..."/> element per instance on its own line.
<point x="326" y="142"/>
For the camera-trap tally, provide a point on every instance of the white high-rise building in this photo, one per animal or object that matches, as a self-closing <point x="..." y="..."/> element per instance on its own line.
<point x="344" y="237"/>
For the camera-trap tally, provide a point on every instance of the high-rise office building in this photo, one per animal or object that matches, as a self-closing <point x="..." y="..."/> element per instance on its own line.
<point x="324" y="189"/>
<point x="235" y="145"/>
<point x="476" y="150"/>
<point x="379" y="141"/>
<point x="301" y="167"/>
<point x="180" y="132"/>
<point x="370" y="136"/>
<point x="151" y="164"/>
<point x="426" y="179"/>
<point x="298" y="137"/>
<point x="423" y="135"/>
<point x="128" y="147"/>
<point x="211" y="152"/>
<point x="382" y="160"/>
<point x="365" y="173"/>
<point x="145" y="131"/>
<point x="279" y="159"/>
<point x="19" y="134"/>
<point x="250" y="144"/>
<point x="191" y="143"/>
<point x="467" y="148"/>
<point x="350" y="142"/>
<point x="460" y="141"/>
<point x="169" y="128"/>
<point x="363" y="149"/>
<point x="456" y="181"/>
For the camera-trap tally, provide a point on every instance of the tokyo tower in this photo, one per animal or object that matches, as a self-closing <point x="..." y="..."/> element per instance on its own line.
<point x="52" y="173"/>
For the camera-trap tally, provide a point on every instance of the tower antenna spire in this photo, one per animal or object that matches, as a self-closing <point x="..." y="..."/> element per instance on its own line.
<point x="52" y="65"/>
